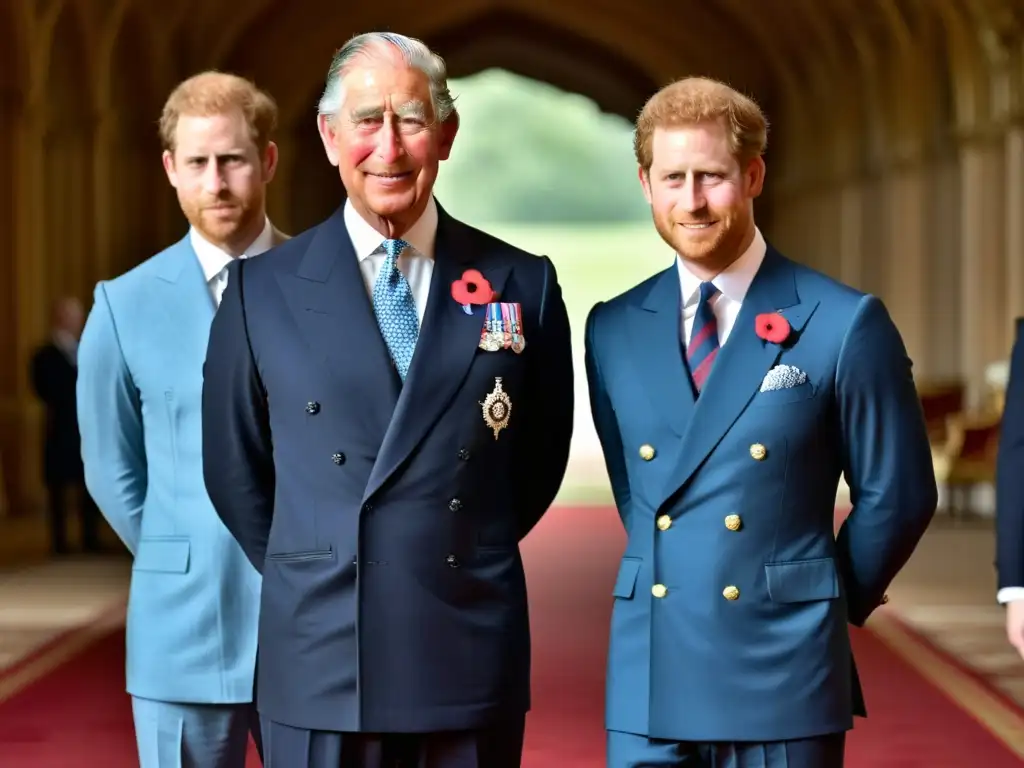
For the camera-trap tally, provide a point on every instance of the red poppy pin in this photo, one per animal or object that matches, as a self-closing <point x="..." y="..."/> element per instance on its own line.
<point x="472" y="288"/>
<point x="772" y="327"/>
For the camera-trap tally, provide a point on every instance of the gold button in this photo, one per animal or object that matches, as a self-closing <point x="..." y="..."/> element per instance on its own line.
<point x="758" y="452"/>
<point x="664" y="523"/>
<point x="731" y="593"/>
<point x="885" y="599"/>
<point x="659" y="590"/>
<point x="646" y="452"/>
<point x="733" y="522"/>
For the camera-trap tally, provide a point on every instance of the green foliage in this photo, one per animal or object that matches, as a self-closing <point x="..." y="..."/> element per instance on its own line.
<point x="528" y="152"/>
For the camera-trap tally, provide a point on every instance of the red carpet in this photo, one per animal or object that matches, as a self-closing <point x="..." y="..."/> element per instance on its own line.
<point x="79" y="716"/>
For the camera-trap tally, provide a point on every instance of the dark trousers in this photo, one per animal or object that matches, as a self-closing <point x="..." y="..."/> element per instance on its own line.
<point x="627" y="750"/>
<point x="62" y="496"/>
<point x="495" y="747"/>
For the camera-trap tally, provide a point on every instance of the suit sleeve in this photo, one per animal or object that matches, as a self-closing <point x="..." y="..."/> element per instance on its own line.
<point x="238" y="466"/>
<point x="1010" y="475"/>
<point x="604" y="419"/>
<point x="549" y="421"/>
<point x="110" y="422"/>
<point x="887" y="458"/>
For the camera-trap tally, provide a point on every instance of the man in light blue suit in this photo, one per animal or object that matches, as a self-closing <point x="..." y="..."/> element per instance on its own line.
<point x="194" y="599"/>
<point x="730" y="393"/>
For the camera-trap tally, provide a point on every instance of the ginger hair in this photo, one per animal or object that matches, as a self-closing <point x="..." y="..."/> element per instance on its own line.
<point x="695" y="100"/>
<point x="215" y="93"/>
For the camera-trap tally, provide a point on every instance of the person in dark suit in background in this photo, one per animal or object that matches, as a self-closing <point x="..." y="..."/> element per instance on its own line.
<point x="387" y="410"/>
<point x="54" y="372"/>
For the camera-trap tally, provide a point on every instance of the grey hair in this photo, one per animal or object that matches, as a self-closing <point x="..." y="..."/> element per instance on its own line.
<point x="414" y="52"/>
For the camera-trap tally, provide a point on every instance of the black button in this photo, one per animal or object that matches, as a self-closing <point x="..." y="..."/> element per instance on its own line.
<point x="312" y="408"/>
<point x="367" y="507"/>
<point x="452" y="561"/>
<point x="455" y="505"/>
<point x="338" y="458"/>
<point x="463" y="454"/>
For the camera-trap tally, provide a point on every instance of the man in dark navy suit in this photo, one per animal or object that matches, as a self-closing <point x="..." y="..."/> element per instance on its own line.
<point x="1010" y="498"/>
<point x="388" y="404"/>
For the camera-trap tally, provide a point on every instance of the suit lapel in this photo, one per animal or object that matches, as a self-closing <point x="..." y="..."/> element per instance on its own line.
<point x="327" y="297"/>
<point x="445" y="349"/>
<point x="741" y="364"/>
<point x="190" y="307"/>
<point x="657" y="321"/>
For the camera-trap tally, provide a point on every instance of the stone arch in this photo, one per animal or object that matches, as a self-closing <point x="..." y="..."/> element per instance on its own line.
<point x="619" y="47"/>
<point x="968" y="71"/>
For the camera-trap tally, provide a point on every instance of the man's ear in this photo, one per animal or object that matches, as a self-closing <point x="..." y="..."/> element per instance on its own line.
<point x="645" y="182"/>
<point x="270" y="156"/>
<point x="169" y="169"/>
<point x="755" y="176"/>
<point x="449" y="128"/>
<point x="328" y="135"/>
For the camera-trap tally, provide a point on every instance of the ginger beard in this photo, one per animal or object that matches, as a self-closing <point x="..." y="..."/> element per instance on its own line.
<point x="223" y="220"/>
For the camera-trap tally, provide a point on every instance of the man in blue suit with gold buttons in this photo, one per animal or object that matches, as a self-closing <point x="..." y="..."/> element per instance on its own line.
<point x="388" y="405"/>
<point x="730" y="393"/>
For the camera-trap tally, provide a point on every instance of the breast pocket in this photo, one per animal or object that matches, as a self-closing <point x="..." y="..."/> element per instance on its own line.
<point x="795" y="394"/>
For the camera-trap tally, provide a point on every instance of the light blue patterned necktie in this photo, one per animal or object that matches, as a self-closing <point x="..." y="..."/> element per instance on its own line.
<point x="395" y="309"/>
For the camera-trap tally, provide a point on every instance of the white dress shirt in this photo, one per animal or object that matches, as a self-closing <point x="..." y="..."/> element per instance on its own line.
<point x="732" y="284"/>
<point x="416" y="263"/>
<point x="214" y="260"/>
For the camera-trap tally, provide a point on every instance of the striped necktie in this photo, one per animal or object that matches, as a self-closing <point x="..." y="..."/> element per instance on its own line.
<point x="703" y="346"/>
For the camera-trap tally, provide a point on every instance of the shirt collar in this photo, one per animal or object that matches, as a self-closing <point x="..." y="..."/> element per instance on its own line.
<point x="734" y="281"/>
<point x="366" y="240"/>
<point x="213" y="259"/>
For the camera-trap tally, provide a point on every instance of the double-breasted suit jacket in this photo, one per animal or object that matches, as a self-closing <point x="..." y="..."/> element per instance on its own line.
<point x="386" y="518"/>
<point x="733" y="595"/>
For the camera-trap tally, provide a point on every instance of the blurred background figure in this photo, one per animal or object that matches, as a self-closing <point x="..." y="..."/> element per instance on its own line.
<point x="53" y="372"/>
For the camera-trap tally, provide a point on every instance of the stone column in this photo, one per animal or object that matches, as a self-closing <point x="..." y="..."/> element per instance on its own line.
<point x="905" y="256"/>
<point x="983" y="275"/>
<point x="1015" y="222"/>
<point x="852" y="256"/>
<point x="21" y="431"/>
<point x="280" y="190"/>
<point x="11" y="378"/>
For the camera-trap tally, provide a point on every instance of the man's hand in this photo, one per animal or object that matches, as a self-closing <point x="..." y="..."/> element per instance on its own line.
<point x="1015" y="625"/>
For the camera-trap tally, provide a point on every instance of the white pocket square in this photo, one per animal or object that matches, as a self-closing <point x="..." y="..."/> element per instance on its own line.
<point x="783" y="377"/>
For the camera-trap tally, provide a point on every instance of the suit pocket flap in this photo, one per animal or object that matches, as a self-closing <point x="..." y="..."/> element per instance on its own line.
<point x="162" y="556"/>
<point x="625" y="582"/>
<point x="801" y="581"/>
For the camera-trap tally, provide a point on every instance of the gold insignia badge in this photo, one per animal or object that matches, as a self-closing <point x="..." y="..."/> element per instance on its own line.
<point x="497" y="407"/>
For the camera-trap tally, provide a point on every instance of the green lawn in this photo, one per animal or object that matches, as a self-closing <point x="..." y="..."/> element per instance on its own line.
<point x="593" y="263"/>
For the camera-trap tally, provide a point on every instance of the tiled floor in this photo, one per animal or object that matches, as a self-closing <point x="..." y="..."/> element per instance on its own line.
<point x="947" y="592"/>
